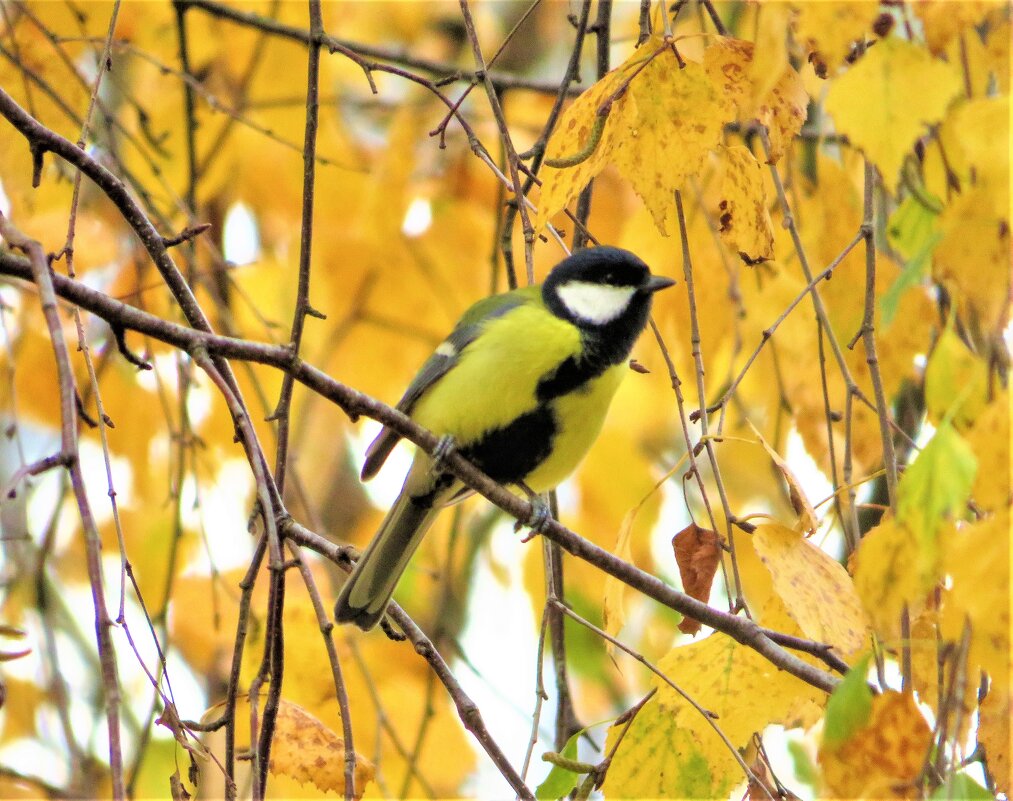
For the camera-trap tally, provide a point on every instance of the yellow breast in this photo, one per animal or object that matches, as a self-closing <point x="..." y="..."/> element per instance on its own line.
<point x="495" y="382"/>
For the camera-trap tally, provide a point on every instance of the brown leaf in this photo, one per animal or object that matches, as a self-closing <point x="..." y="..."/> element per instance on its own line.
<point x="698" y="554"/>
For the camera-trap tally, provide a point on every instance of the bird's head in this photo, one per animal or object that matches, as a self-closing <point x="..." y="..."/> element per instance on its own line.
<point x="602" y="287"/>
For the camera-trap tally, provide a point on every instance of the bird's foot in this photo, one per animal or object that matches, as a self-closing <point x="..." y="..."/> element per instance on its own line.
<point x="541" y="514"/>
<point x="443" y="451"/>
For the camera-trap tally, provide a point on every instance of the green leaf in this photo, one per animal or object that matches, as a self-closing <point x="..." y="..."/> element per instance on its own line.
<point x="937" y="484"/>
<point x="849" y="707"/>
<point x="802" y="764"/>
<point x="962" y="787"/>
<point x="913" y="234"/>
<point x="560" y="781"/>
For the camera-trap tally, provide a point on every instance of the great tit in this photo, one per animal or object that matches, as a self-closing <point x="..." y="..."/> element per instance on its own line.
<point x="520" y="387"/>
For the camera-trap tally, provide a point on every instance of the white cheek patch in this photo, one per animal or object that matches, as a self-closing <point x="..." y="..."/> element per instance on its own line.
<point x="596" y="303"/>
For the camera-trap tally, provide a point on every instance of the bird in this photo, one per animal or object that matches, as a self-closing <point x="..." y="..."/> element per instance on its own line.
<point x="520" y="388"/>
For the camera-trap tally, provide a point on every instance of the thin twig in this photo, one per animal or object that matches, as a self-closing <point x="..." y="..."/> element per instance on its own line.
<point x="303" y="308"/>
<point x="43" y="279"/>
<point x="768" y="332"/>
<point x="869" y="335"/>
<point x="362" y="53"/>
<point x="504" y="132"/>
<point x="341" y="692"/>
<point x="695" y="341"/>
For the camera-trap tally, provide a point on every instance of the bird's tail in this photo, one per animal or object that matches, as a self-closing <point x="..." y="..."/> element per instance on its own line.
<point x="364" y="597"/>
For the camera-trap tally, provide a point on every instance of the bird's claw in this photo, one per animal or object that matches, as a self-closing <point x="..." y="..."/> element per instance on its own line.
<point x="443" y="451"/>
<point x="541" y="514"/>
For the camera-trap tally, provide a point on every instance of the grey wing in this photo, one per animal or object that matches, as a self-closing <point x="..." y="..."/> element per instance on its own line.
<point x="438" y="365"/>
<point x="435" y="367"/>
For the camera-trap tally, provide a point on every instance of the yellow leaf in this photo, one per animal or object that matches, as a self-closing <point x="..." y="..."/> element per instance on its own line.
<point x="743" y="689"/>
<point x="206" y="639"/>
<point x="21" y="705"/>
<point x="943" y="20"/>
<point x="997" y="53"/>
<point x="742" y="210"/>
<point x="883" y="758"/>
<point x="613" y="611"/>
<point x="309" y="752"/>
<point x="827" y="29"/>
<point x="887" y="576"/>
<point x="977" y="558"/>
<point x="994" y="734"/>
<point x="783" y="111"/>
<point x="925" y="648"/>
<point x="816" y="590"/>
<point x="659" y="129"/>
<point x="887" y="99"/>
<point x="975" y="135"/>
<point x="989" y="438"/>
<point x="729" y="65"/>
<point x="955" y="381"/>
<point x="574" y="134"/>
<point x="388" y="671"/>
<point x="676" y="117"/>
<point x="766" y="24"/>
<point x="972" y="259"/>
<point x="660" y="757"/>
<point x="303" y="749"/>
<point x="927" y="645"/>
<point x="807" y="521"/>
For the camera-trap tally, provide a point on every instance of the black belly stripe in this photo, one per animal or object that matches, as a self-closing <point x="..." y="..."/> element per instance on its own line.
<point x="511" y="453"/>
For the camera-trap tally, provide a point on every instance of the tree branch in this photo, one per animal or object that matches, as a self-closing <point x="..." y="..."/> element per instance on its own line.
<point x="442" y="70"/>
<point x="356" y="404"/>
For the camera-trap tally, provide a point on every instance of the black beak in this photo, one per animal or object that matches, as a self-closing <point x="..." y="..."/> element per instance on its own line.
<point x="656" y="282"/>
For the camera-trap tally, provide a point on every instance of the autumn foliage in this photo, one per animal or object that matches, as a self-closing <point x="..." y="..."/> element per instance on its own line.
<point x="231" y="231"/>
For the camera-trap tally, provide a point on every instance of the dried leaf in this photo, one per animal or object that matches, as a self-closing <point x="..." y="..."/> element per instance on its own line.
<point x="698" y="554"/>
<point x="176" y="787"/>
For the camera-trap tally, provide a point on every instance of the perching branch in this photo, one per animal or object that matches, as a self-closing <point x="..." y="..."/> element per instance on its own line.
<point x="356" y="404"/>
